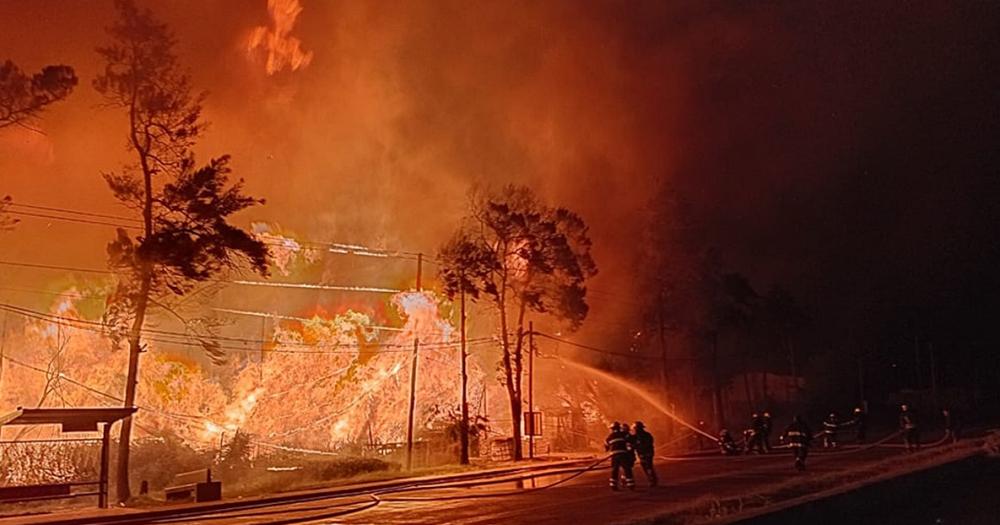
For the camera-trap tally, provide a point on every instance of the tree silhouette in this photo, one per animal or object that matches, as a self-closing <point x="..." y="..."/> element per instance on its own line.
<point x="520" y="255"/>
<point x="185" y="238"/>
<point x="23" y="98"/>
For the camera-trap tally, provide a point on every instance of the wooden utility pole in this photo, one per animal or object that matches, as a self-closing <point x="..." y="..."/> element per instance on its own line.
<point x="263" y="344"/>
<point x="531" y="389"/>
<point x="464" y="434"/>
<point x="3" y="343"/>
<point x="413" y="378"/>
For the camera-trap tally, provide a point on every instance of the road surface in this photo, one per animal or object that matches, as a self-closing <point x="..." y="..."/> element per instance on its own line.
<point x="583" y="499"/>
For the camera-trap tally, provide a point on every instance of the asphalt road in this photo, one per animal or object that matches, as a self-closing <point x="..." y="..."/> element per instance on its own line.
<point x="582" y="500"/>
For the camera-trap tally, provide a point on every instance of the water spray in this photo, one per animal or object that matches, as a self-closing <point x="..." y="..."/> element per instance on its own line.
<point x="646" y="396"/>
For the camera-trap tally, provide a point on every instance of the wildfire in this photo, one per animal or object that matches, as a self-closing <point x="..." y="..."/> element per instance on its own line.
<point x="279" y="49"/>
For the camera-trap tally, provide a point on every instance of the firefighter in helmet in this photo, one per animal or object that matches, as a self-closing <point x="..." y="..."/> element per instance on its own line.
<point x="617" y="444"/>
<point x="765" y="427"/>
<point x="755" y="434"/>
<point x="726" y="443"/>
<point x="798" y="436"/>
<point x="630" y="458"/>
<point x="860" y="424"/>
<point x="642" y="440"/>
<point x="908" y="426"/>
<point x="830" y="426"/>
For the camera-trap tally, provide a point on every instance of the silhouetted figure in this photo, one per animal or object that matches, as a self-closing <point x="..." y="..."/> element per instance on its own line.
<point x="830" y="426"/>
<point x="860" y="423"/>
<point x="752" y="436"/>
<point x="726" y="443"/>
<point x="701" y="437"/>
<point x="617" y="444"/>
<point x="766" y="427"/>
<point x="908" y="426"/>
<point x="799" y="437"/>
<point x="643" y="443"/>
<point x="950" y="424"/>
<point x="630" y="458"/>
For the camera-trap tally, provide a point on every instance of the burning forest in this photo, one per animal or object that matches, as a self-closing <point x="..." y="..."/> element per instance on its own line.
<point x="279" y="244"/>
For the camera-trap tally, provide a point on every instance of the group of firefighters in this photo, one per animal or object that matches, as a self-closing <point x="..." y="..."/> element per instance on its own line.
<point x="625" y="444"/>
<point x="798" y="436"/>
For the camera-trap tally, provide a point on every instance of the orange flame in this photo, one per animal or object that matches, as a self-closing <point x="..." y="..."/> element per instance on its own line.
<point x="280" y="49"/>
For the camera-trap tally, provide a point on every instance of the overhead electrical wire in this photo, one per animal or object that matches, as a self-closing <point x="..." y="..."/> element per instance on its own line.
<point x="194" y="340"/>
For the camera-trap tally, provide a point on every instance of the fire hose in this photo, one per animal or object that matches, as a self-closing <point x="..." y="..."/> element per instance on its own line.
<point x="576" y="474"/>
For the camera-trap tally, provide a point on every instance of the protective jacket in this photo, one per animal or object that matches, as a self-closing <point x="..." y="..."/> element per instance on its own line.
<point x="617" y="443"/>
<point x="643" y="442"/>
<point x="907" y="421"/>
<point x="798" y="435"/>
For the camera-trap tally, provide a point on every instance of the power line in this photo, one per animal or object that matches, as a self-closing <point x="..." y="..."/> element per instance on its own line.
<point x="70" y="219"/>
<point x="311" y="286"/>
<point x="55" y="267"/>
<point x="75" y="212"/>
<point x="606" y="351"/>
<point x="185" y="339"/>
<point x="332" y="247"/>
<point x="306" y="286"/>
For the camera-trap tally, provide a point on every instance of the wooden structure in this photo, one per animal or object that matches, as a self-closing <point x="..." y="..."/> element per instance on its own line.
<point x="197" y="485"/>
<point x="70" y="420"/>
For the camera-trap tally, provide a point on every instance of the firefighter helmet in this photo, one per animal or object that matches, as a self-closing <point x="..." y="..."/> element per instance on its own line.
<point x="616" y="426"/>
<point x="639" y="424"/>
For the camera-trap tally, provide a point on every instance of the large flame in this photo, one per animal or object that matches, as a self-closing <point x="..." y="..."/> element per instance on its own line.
<point x="279" y="49"/>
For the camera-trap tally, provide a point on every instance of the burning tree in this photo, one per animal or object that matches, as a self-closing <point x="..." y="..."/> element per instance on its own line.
<point x="521" y="255"/>
<point x="184" y="238"/>
<point x="23" y="98"/>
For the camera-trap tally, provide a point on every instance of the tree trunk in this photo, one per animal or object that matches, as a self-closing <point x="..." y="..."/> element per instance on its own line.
<point x="122" y="488"/>
<point x="518" y="374"/>
<point x="513" y="394"/>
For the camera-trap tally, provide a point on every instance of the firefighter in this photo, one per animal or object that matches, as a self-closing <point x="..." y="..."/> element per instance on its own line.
<point x="860" y="423"/>
<point x="726" y="444"/>
<point x="700" y="436"/>
<point x="765" y="436"/>
<point x="799" y="437"/>
<point x="754" y="436"/>
<point x="643" y="443"/>
<point x="950" y="424"/>
<point x="830" y="427"/>
<point x="908" y="426"/>
<point x="617" y="444"/>
<point x="630" y="458"/>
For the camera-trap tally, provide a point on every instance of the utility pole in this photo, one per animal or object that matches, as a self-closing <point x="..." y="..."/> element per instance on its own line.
<point x="531" y="389"/>
<point x="3" y="343"/>
<point x="464" y="457"/>
<point x="263" y="344"/>
<point x="413" y="378"/>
